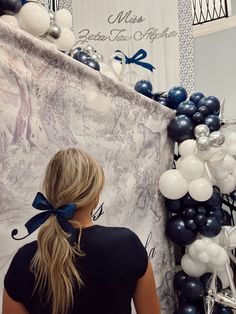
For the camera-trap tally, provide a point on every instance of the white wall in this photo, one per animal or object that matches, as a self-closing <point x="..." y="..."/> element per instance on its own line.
<point x="215" y="67"/>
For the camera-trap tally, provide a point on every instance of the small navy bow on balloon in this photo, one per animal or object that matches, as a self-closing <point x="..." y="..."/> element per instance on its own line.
<point x="62" y="213"/>
<point x="136" y="59"/>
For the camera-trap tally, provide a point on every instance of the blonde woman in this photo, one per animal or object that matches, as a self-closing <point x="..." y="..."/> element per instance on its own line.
<point x="76" y="267"/>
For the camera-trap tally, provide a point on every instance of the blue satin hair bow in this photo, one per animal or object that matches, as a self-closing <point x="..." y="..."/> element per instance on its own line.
<point x="62" y="213"/>
<point x="137" y="57"/>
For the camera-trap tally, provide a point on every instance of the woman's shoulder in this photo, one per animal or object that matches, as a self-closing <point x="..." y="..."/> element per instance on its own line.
<point x="27" y="251"/>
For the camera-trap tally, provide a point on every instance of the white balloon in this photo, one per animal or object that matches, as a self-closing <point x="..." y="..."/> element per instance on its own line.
<point x="231" y="149"/>
<point x="234" y="174"/>
<point x="200" y="190"/>
<point x="221" y="259"/>
<point x="213" y="249"/>
<point x="229" y="163"/>
<point x="11" y="19"/>
<point x="178" y="163"/>
<point x="200" y="245"/>
<point x="191" y="167"/>
<point x="192" y="268"/>
<point x="220" y="173"/>
<point x="226" y="185"/>
<point x="187" y="147"/>
<point x="193" y="252"/>
<point x="64" y="18"/>
<point x="66" y="41"/>
<point x="34" y="18"/>
<point x="172" y="184"/>
<point x="204" y="257"/>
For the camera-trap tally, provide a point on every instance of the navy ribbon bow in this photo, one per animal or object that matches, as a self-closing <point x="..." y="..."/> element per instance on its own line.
<point x="62" y="213"/>
<point x="137" y="57"/>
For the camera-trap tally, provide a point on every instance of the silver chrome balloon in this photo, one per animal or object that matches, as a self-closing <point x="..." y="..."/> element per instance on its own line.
<point x="94" y="56"/>
<point x="203" y="143"/>
<point x="216" y="138"/>
<point x="201" y="130"/>
<point x="52" y="16"/>
<point x="89" y="49"/>
<point x="54" y="30"/>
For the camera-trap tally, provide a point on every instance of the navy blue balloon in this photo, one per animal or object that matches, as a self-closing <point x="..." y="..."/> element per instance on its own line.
<point x="81" y="56"/>
<point x="198" y="118"/>
<point x="189" y="212"/>
<point x="220" y="309"/>
<point x="200" y="220"/>
<point x="10" y="6"/>
<point x="179" y="279"/>
<point x="180" y="128"/>
<point x="187" y="108"/>
<point x="188" y="201"/>
<point x="211" y="228"/>
<point x="144" y="87"/>
<point x="187" y="309"/>
<point x="201" y="210"/>
<point x="190" y="224"/>
<point x="163" y="101"/>
<point x="211" y="102"/>
<point x="177" y="232"/>
<point x="218" y="213"/>
<point x="213" y="122"/>
<point x="215" y="199"/>
<point x="174" y="206"/>
<point x="196" y="97"/>
<point x="193" y="288"/>
<point x="92" y="64"/>
<point x="205" y="280"/>
<point x="233" y="195"/>
<point x="203" y="110"/>
<point x="176" y="95"/>
<point x="226" y="218"/>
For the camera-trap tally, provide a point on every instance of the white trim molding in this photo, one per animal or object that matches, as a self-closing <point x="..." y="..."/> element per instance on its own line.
<point x="214" y="26"/>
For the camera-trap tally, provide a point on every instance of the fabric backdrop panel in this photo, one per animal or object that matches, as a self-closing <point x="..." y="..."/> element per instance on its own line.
<point x="49" y="102"/>
<point x="129" y="26"/>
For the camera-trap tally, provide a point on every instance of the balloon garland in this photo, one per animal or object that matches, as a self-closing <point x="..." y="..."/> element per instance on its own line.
<point x="205" y="168"/>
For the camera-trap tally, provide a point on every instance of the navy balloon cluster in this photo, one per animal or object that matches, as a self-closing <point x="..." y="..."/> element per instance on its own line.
<point x="10" y="6"/>
<point x="85" y="58"/>
<point x="193" y="217"/>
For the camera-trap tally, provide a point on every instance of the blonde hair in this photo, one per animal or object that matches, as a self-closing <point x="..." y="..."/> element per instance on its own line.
<point x="72" y="176"/>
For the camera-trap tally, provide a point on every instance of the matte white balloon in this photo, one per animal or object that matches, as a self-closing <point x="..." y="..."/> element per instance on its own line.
<point x="10" y="19"/>
<point x="204" y="257"/>
<point x="231" y="149"/>
<point x="229" y="163"/>
<point x="179" y="162"/>
<point x="66" y="41"/>
<point x="213" y="249"/>
<point x="220" y="173"/>
<point x="172" y="184"/>
<point x="34" y="19"/>
<point x="187" y="147"/>
<point x="192" y="167"/>
<point x="234" y="174"/>
<point x="200" y="189"/>
<point x="64" y="18"/>
<point x="224" y="277"/>
<point x="192" y="268"/>
<point x="226" y="185"/>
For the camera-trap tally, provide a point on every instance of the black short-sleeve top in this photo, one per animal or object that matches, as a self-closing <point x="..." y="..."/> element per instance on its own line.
<point x="114" y="260"/>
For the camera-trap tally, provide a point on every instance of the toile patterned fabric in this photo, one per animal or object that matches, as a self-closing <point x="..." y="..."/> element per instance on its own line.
<point x="49" y="101"/>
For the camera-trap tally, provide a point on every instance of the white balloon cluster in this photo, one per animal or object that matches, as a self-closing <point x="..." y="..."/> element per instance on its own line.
<point x="203" y="163"/>
<point x="46" y="25"/>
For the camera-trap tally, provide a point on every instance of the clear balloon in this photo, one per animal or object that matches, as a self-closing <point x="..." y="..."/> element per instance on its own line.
<point x="172" y="184"/>
<point x="34" y="19"/>
<point x="200" y="189"/>
<point x="64" y="18"/>
<point x="191" y="167"/>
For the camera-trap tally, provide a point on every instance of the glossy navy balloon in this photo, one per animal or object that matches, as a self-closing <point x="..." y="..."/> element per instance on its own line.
<point x="205" y="280"/>
<point x="233" y="195"/>
<point x="187" y="108"/>
<point x="174" y="206"/>
<point x="176" y="95"/>
<point x="215" y="199"/>
<point x="81" y="56"/>
<point x="190" y="224"/>
<point x="10" y="6"/>
<point x="187" y="309"/>
<point x="188" y="201"/>
<point x="213" y="122"/>
<point x="196" y="97"/>
<point x="211" y="102"/>
<point x="203" y="110"/>
<point x="144" y="87"/>
<point x="92" y="64"/>
<point x="220" y="309"/>
<point x="212" y="227"/>
<point x="179" y="279"/>
<point x="177" y="231"/>
<point x="218" y="213"/>
<point x="163" y="101"/>
<point x="190" y="212"/>
<point x="200" y="220"/>
<point x="226" y="219"/>
<point x="201" y="210"/>
<point x="193" y="288"/>
<point x="180" y="128"/>
<point x="198" y="118"/>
